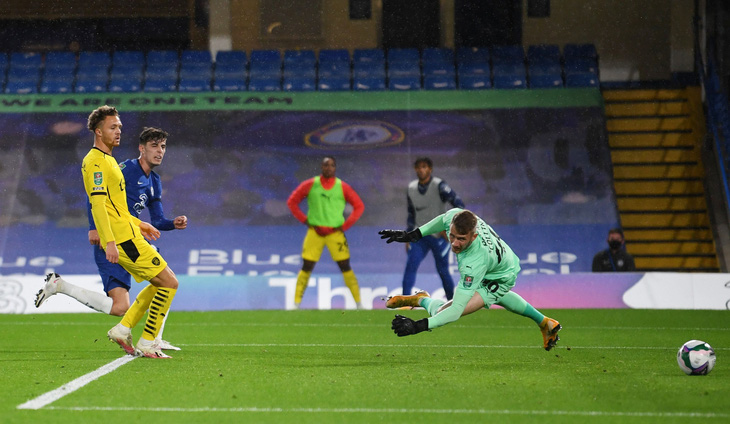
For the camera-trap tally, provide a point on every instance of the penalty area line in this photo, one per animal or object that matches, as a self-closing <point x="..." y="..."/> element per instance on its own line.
<point x="74" y="385"/>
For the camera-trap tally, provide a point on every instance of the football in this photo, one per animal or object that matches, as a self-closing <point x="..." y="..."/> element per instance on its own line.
<point x="696" y="358"/>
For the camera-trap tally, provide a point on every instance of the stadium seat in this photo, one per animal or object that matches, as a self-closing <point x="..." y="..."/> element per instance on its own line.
<point x="334" y="83"/>
<point x="439" y="82"/>
<point x="300" y="56"/>
<point x="125" y="85"/>
<point x="438" y="68"/>
<point x="509" y="69"/>
<point x="264" y="84"/>
<point x="584" y="79"/>
<point x="472" y="55"/>
<point x="368" y="55"/>
<point x="57" y="86"/>
<point x="544" y="68"/>
<point x="409" y="55"/>
<point x="196" y="58"/>
<point x="122" y="72"/>
<point x="334" y="56"/>
<point x="544" y="54"/>
<point x="368" y="69"/>
<point x="508" y="54"/>
<point x="59" y="74"/>
<point x="196" y="73"/>
<point x="230" y="84"/>
<point x="437" y="55"/>
<point x="507" y="81"/>
<point x="404" y="69"/>
<point x="26" y="60"/>
<point x="194" y="85"/>
<point x="158" y="58"/>
<point x="160" y="73"/>
<point x="265" y="64"/>
<point x="160" y="85"/>
<point x="128" y="59"/>
<point x="585" y="51"/>
<point x="230" y="63"/>
<point x="4" y="61"/>
<point x="405" y="83"/>
<point x="581" y="65"/>
<point x="60" y="60"/>
<point x="91" y="85"/>
<point x="300" y="69"/>
<point x="92" y="74"/>
<point x="334" y="69"/>
<point x="474" y="68"/>
<point x="474" y="82"/>
<point x="368" y="83"/>
<point x="546" y="81"/>
<point x="21" y="86"/>
<point x="91" y="60"/>
<point x="299" y="83"/>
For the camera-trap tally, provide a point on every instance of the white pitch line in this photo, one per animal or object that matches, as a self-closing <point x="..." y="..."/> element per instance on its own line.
<point x="404" y="411"/>
<point x="71" y="387"/>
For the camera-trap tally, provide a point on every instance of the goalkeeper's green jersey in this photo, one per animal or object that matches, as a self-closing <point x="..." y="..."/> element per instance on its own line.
<point x="487" y="264"/>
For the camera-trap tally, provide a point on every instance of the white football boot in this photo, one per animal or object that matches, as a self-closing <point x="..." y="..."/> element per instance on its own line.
<point x="50" y="288"/>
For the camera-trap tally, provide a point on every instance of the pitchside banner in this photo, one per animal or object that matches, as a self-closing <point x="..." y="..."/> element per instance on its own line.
<point x="534" y="164"/>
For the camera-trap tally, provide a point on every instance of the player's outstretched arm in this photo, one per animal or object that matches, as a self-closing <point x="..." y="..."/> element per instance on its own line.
<point x="181" y="222"/>
<point x="400" y="235"/>
<point x="404" y="326"/>
<point x="148" y="231"/>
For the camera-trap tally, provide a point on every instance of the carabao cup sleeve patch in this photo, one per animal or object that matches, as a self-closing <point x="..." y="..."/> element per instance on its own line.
<point x="98" y="178"/>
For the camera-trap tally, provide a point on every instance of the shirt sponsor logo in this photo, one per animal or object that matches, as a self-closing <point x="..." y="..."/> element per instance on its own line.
<point x="98" y="178"/>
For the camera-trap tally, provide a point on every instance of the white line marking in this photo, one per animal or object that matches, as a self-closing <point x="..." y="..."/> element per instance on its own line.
<point x="406" y="411"/>
<point x="71" y="387"/>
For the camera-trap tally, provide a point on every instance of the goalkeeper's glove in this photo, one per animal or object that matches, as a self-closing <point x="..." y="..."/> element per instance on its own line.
<point x="404" y="326"/>
<point x="400" y="235"/>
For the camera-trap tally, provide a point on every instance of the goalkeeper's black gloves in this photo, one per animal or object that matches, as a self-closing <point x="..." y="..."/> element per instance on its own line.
<point x="400" y="235"/>
<point x="404" y="326"/>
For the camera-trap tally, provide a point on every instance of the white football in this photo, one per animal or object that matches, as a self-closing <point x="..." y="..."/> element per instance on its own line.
<point x="696" y="358"/>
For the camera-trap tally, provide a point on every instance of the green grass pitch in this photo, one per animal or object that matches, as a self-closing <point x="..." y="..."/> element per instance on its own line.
<point x="347" y="366"/>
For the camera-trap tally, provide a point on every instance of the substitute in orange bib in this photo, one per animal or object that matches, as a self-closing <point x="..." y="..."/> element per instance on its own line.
<point x="326" y="197"/>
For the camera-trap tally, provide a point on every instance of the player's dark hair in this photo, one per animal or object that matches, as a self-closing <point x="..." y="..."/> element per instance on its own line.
<point x="616" y="231"/>
<point x="330" y="157"/>
<point x="464" y="222"/>
<point x="150" y="133"/>
<point x="98" y="116"/>
<point x="425" y="160"/>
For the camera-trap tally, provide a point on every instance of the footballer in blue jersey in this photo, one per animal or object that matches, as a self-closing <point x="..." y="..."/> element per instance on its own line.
<point x="144" y="191"/>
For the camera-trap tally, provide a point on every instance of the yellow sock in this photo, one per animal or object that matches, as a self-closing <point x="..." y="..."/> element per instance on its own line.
<point x="351" y="283"/>
<point x="302" y="282"/>
<point x="159" y="307"/>
<point x="139" y="306"/>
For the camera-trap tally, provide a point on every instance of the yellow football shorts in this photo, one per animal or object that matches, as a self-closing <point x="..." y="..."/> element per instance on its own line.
<point x="140" y="259"/>
<point x="314" y="245"/>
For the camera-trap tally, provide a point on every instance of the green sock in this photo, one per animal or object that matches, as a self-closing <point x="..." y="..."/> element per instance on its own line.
<point x="514" y="303"/>
<point x="431" y="305"/>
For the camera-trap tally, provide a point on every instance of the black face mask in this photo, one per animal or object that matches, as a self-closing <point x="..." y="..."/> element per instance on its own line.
<point x="614" y="244"/>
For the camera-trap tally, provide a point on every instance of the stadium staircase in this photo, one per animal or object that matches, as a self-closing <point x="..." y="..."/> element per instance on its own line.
<point x="655" y="137"/>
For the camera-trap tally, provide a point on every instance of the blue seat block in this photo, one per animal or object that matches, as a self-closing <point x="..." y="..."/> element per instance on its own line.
<point x="475" y="82"/>
<point x="334" y="83"/>
<point x="299" y="84"/>
<point x="230" y="84"/>
<point x="439" y="82"/>
<point x="264" y="84"/>
<point x="546" y="81"/>
<point x="405" y="83"/>
<point x="581" y="79"/>
<point x="437" y="55"/>
<point x="510" y="81"/>
<point x="368" y="83"/>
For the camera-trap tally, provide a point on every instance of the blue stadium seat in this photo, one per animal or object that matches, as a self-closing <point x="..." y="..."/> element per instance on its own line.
<point x="546" y="81"/>
<point x="508" y="54"/>
<point x="475" y="82"/>
<point x="21" y="86"/>
<point x="334" y="83"/>
<point x="472" y="55"/>
<point x="258" y="56"/>
<point x="540" y="68"/>
<point x="128" y="59"/>
<point x="368" y="55"/>
<point x="437" y="55"/>
<point x="409" y="55"/>
<point x="300" y="69"/>
<point x="474" y="68"/>
<point x="4" y="61"/>
<point x="264" y="84"/>
<point x="265" y="64"/>
<point x="300" y="56"/>
<point x="196" y="73"/>
<point x="334" y="69"/>
<point x="194" y="85"/>
<point x="122" y="72"/>
<point x="88" y="60"/>
<point x="91" y="85"/>
<point x="231" y="63"/>
<point x="507" y="81"/>
<point x="196" y="58"/>
<point x="405" y="83"/>
<point x="509" y="69"/>
<point x="159" y="58"/>
<point x="404" y="69"/>
<point x="160" y="73"/>
<point x="543" y="53"/>
<point x="439" y="82"/>
<point x="334" y="56"/>
<point x="230" y="84"/>
<point x="92" y="74"/>
<point x="59" y="74"/>
<point x="581" y="65"/>
<point x="160" y="85"/>
<point x="58" y="86"/>
<point x="368" y="83"/>
<point x="297" y="83"/>
<point x="60" y="60"/>
<point x="586" y="51"/>
<point x="368" y="70"/>
<point x="24" y="74"/>
<point x="438" y="68"/>
<point x="584" y="79"/>
<point x="26" y="60"/>
<point x="125" y="85"/>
